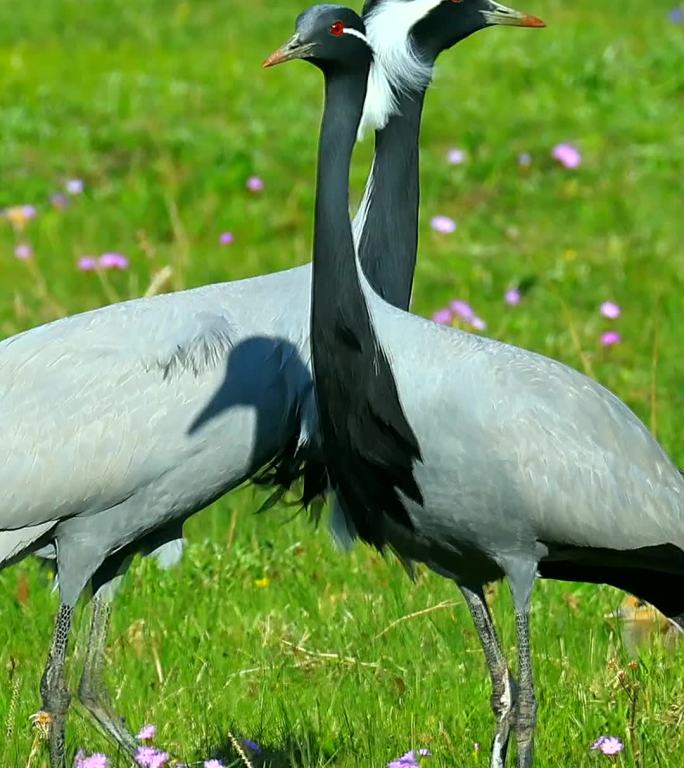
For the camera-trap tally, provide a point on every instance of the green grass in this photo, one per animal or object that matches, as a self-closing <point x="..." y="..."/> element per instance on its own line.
<point x="164" y="111"/>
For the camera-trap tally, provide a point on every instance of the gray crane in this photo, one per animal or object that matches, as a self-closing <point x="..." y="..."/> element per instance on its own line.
<point x="482" y="460"/>
<point x="120" y="423"/>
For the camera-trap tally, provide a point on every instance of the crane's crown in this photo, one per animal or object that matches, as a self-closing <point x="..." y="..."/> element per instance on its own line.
<point x="324" y="35"/>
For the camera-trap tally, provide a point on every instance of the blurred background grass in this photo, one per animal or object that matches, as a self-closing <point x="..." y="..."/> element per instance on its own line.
<point x="162" y="109"/>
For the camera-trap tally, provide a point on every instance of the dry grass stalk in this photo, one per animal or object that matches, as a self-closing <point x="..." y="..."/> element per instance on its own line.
<point x="241" y="752"/>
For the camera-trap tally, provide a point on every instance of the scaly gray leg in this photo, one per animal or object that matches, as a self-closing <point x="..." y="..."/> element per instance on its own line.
<point x="92" y="691"/>
<point x="521" y="582"/>
<point x="53" y="689"/>
<point x="504" y="688"/>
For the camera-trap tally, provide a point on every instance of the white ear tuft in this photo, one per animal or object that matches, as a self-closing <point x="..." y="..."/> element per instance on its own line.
<point x="396" y="67"/>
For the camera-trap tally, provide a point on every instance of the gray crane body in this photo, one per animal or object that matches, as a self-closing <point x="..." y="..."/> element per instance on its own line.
<point x="106" y="430"/>
<point x="523" y="458"/>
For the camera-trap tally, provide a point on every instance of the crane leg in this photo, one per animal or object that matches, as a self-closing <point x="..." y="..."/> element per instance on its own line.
<point x="53" y="689"/>
<point x="92" y="691"/>
<point x="526" y="708"/>
<point x="504" y="689"/>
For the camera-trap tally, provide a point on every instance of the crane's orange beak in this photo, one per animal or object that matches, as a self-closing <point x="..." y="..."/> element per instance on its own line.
<point x="497" y="13"/>
<point x="293" y="49"/>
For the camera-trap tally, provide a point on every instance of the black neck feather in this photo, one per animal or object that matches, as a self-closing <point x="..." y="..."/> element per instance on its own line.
<point x="389" y="241"/>
<point x="368" y="445"/>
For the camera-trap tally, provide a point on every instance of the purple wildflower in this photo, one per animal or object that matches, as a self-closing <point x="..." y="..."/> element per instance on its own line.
<point x="524" y="159"/>
<point x="87" y="264"/>
<point x="113" y="261"/>
<point x="456" y="156"/>
<point x="59" y="201"/>
<point x="443" y="224"/>
<point x="226" y="238"/>
<point x="253" y="745"/>
<point x="611" y="310"/>
<point x="149" y="757"/>
<point x="462" y="310"/>
<point x="567" y="155"/>
<point x="442" y="317"/>
<point x="255" y="184"/>
<point x="147" y="732"/>
<point x="512" y="297"/>
<point x="74" y="186"/>
<point x="410" y="759"/>
<point x="609" y="745"/>
<point x="97" y="760"/>
<point x="213" y="764"/>
<point x="23" y="251"/>
<point x="610" y="338"/>
<point x="677" y="15"/>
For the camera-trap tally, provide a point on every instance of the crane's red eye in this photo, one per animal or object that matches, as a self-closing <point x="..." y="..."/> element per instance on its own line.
<point x="337" y="29"/>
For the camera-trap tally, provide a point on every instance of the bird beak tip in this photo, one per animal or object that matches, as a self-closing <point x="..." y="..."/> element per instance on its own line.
<point x="275" y="58"/>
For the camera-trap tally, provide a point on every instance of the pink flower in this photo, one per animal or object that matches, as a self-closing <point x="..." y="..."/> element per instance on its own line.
<point x="567" y="155"/>
<point x="410" y="759"/>
<point x="74" y="186"/>
<point x="87" y="264"/>
<point x="97" y="760"/>
<point x="611" y="310"/>
<point x="610" y="338"/>
<point x="609" y="745"/>
<point x="456" y="156"/>
<point x="512" y="297"/>
<point x="113" y="261"/>
<point x="226" y="238"/>
<point x="147" y="732"/>
<point x="443" y="224"/>
<point x="442" y="316"/>
<point x="149" y="757"/>
<point x="23" y="251"/>
<point x="462" y="310"/>
<point x="255" y="184"/>
<point x="59" y="201"/>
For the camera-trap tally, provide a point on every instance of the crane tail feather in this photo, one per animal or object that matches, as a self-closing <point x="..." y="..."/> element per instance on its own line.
<point x="16" y="544"/>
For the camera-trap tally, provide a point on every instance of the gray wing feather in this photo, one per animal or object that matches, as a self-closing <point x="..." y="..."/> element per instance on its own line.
<point x="92" y="392"/>
<point x="533" y="445"/>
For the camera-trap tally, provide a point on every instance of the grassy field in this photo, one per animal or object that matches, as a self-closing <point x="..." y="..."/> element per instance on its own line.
<point x="265" y="631"/>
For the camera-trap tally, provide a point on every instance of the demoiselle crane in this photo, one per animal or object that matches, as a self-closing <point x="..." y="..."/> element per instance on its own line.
<point x="478" y="458"/>
<point x="120" y="423"/>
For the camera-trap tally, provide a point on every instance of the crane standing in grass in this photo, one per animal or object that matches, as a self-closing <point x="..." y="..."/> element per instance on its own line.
<point x="478" y="458"/>
<point x="120" y="423"/>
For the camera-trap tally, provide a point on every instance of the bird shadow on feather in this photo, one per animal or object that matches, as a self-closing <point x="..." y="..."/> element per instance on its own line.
<point x="270" y="375"/>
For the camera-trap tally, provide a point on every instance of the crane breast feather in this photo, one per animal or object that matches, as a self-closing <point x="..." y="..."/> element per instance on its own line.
<point x="200" y="351"/>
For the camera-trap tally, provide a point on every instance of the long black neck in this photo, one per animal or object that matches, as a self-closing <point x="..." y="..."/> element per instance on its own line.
<point x="389" y="239"/>
<point x="334" y="268"/>
<point x="368" y="445"/>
